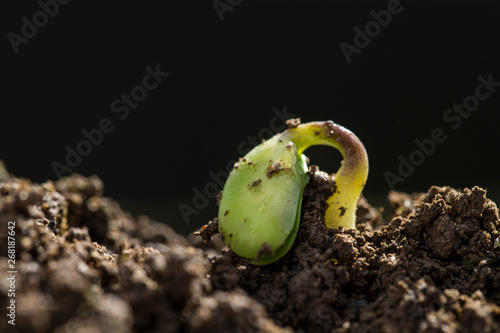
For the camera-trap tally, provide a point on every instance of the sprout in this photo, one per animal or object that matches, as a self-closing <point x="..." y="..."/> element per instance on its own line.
<point x="259" y="211"/>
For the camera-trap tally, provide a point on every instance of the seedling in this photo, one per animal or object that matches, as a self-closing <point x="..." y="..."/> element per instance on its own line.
<point x="259" y="211"/>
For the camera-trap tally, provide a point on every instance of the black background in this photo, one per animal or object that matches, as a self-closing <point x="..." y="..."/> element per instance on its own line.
<point x="226" y="78"/>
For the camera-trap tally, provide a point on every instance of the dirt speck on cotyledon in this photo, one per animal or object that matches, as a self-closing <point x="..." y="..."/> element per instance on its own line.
<point x="86" y="265"/>
<point x="276" y="168"/>
<point x="256" y="183"/>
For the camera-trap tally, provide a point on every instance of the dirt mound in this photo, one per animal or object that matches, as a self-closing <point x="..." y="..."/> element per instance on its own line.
<point x="433" y="267"/>
<point x="83" y="264"/>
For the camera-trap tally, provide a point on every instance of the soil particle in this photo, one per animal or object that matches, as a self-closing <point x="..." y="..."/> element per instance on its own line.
<point x="209" y="230"/>
<point x="247" y="314"/>
<point x="276" y="168"/>
<point x="265" y="249"/>
<point x="403" y="204"/>
<point x="255" y="183"/>
<point x="293" y="123"/>
<point x="219" y="197"/>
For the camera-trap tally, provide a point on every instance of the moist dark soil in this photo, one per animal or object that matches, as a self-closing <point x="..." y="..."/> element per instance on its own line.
<point x="85" y="265"/>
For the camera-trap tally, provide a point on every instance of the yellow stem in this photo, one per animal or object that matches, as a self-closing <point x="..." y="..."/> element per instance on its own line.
<point x="350" y="178"/>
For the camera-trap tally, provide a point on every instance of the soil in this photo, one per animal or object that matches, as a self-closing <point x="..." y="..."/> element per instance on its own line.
<point x="85" y="265"/>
